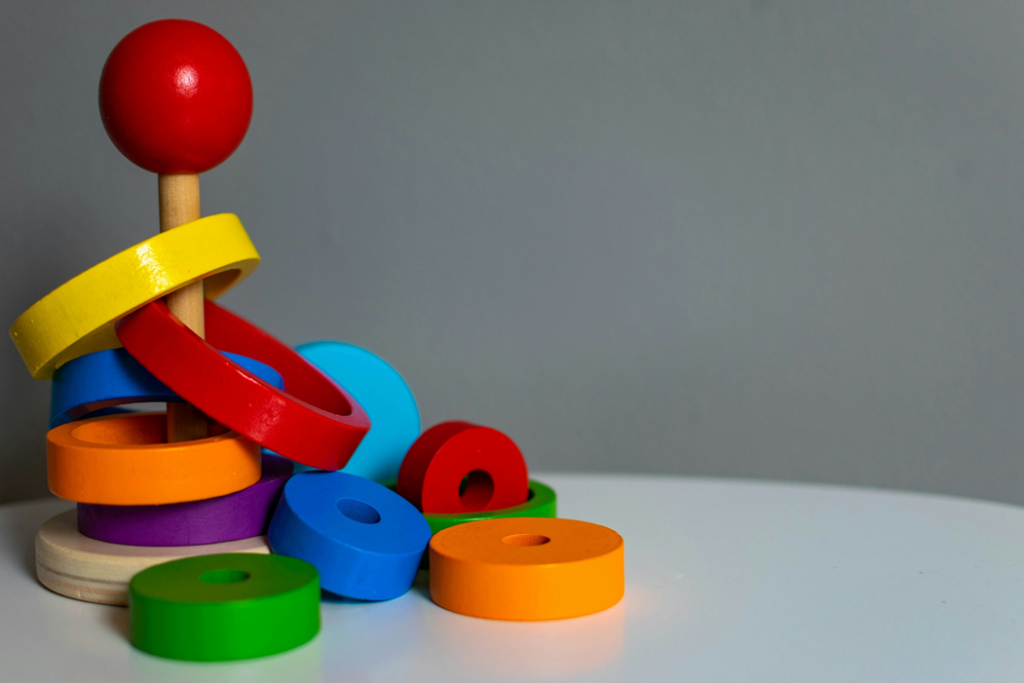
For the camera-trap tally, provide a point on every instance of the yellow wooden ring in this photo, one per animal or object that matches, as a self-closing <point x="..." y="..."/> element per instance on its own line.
<point x="125" y="460"/>
<point x="86" y="569"/>
<point x="78" y="317"/>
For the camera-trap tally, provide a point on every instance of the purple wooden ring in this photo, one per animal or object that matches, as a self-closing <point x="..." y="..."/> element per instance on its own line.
<point x="232" y="517"/>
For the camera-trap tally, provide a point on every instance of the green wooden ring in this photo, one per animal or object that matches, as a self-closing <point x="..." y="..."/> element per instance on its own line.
<point x="224" y="607"/>
<point x="541" y="501"/>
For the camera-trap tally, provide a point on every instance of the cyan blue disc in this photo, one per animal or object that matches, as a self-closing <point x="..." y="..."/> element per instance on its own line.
<point x="96" y="381"/>
<point x="383" y="394"/>
<point x="364" y="539"/>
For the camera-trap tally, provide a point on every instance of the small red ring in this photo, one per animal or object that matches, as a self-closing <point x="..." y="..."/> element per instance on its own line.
<point x="315" y="423"/>
<point x="433" y="470"/>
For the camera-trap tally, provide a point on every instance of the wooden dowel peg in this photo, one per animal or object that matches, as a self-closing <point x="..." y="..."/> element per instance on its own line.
<point x="179" y="204"/>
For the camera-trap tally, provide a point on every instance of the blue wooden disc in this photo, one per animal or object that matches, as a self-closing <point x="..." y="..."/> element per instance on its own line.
<point x="364" y="539"/>
<point x="383" y="394"/>
<point x="97" y="381"/>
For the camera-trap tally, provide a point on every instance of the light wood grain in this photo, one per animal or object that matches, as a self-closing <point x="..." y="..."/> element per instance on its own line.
<point x="86" y="569"/>
<point x="179" y="204"/>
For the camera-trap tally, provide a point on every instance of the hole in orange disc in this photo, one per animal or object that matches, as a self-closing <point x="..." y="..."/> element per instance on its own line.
<point x="526" y="539"/>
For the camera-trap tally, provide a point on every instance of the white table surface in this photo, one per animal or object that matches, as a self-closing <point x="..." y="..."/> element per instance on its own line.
<point x="726" y="581"/>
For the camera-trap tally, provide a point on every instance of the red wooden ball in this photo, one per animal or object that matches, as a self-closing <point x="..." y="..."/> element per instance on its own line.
<point x="175" y="97"/>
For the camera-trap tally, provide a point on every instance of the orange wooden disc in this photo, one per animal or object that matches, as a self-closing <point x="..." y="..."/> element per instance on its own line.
<point x="526" y="568"/>
<point x="125" y="460"/>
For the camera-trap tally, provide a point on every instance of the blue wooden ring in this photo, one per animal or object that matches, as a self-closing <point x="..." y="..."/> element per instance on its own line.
<point x="364" y="539"/>
<point x="98" y="381"/>
<point x="383" y="394"/>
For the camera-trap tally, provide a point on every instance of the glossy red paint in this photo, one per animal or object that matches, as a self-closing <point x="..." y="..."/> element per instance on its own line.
<point x="459" y="467"/>
<point x="175" y="97"/>
<point x="315" y="423"/>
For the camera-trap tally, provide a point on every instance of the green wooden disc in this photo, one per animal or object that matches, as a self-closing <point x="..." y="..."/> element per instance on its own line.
<point x="224" y="607"/>
<point x="540" y="502"/>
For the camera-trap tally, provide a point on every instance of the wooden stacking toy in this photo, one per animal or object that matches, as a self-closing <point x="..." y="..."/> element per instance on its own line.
<point x="176" y="99"/>
<point x="178" y="511"/>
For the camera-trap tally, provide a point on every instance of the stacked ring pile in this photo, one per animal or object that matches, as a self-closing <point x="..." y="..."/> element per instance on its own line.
<point x="133" y="488"/>
<point x="218" y="547"/>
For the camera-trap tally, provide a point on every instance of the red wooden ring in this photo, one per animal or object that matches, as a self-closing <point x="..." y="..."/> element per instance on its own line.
<point x="432" y="474"/>
<point x="315" y="423"/>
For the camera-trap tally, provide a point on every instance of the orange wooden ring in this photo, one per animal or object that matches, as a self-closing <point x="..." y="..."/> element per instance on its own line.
<point x="526" y="568"/>
<point x="125" y="460"/>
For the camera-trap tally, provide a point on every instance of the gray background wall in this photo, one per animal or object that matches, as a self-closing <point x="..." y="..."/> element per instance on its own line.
<point x="756" y="239"/>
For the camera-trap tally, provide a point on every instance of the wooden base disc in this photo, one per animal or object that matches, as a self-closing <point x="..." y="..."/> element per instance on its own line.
<point x="86" y="569"/>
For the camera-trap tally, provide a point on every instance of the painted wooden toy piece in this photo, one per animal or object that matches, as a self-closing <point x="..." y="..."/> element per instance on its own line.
<point x="365" y="540"/>
<point x="232" y="517"/>
<point x="315" y="422"/>
<point x="458" y="467"/>
<point x="218" y="608"/>
<point x="176" y="99"/>
<point x="385" y="397"/>
<point x="78" y="317"/>
<point x="542" y="501"/>
<point x="126" y="460"/>
<point x="109" y="378"/>
<point x="82" y="568"/>
<point x="526" y="568"/>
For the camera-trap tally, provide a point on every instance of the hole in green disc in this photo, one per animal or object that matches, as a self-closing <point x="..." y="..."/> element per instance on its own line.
<point x="358" y="511"/>
<point x="224" y="576"/>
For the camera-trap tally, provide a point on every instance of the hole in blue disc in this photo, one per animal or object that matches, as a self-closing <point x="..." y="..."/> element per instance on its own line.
<point x="358" y="511"/>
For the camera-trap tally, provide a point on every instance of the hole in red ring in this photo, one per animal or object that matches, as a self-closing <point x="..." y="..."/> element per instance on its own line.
<point x="476" y="490"/>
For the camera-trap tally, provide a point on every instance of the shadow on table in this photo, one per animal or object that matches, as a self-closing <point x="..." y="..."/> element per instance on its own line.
<point x="421" y="585"/>
<point x="301" y="665"/>
<point x="18" y="532"/>
<point x="520" y="650"/>
<point x="532" y="650"/>
<point x="117" y="618"/>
